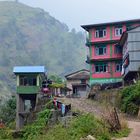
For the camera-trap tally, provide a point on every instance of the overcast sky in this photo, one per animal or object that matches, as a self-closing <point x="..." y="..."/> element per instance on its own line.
<point x="78" y="12"/>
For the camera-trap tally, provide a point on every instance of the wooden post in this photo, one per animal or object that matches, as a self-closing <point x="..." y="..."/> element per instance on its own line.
<point x="19" y="108"/>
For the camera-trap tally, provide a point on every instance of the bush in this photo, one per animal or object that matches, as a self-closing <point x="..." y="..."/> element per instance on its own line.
<point x="33" y="130"/>
<point x="5" y="133"/>
<point x="130" y="99"/>
<point x="49" y="105"/>
<point x="79" y="127"/>
<point x="8" y="110"/>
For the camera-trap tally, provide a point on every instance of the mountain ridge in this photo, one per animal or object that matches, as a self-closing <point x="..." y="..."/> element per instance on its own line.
<point x="30" y="36"/>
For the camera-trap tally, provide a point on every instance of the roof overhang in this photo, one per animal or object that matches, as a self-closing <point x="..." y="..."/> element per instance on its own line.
<point x="87" y="27"/>
<point x="29" y="69"/>
<point x="75" y="75"/>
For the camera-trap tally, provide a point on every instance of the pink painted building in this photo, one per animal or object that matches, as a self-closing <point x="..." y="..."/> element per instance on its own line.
<point x="105" y="55"/>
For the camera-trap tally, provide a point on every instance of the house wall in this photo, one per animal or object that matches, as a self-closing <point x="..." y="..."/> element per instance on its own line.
<point x="110" y="32"/>
<point x="134" y="66"/>
<point x="71" y="82"/>
<point x="28" y="89"/>
<point x="132" y="47"/>
<point x="110" y="57"/>
<point x="111" y="73"/>
<point x="110" y="53"/>
<point x="96" y="57"/>
<point x="115" y="74"/>
<point x="113" y="32"/>
<point x="100" y="75"/>
<point x="94" y="39"/>
<point x="114" y="54"/>
<point x="38" y="80"/>
<point x="17" y="78"/>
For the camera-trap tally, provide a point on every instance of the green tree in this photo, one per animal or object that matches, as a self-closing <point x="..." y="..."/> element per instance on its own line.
<point x="8" y="110"/>
<point x="56" y="79"/>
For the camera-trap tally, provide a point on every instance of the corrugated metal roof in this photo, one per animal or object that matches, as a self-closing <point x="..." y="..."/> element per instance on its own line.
<point x="29" y="69"/>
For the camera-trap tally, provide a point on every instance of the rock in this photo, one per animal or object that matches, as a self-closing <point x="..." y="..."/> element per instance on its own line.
<point x="89" y="137"/>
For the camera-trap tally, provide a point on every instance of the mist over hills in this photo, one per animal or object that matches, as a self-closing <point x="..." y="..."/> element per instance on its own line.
<point x="30" y="36"/>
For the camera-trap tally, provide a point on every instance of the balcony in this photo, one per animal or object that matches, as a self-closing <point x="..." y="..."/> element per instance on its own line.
<point x="28" y="89"/>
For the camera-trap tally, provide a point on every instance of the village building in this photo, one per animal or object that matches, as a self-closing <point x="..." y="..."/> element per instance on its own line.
<point x="130" y="42"/>
<point x="105" y="55"/>
<point x="29" y="82"/>
<point x="78" y="82"/>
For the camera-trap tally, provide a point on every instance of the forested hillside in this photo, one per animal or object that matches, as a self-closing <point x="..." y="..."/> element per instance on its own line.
<point x="30" y="36"/>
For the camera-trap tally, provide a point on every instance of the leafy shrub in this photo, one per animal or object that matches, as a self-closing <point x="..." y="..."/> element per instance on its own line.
<point x="130" y="99"/>
<point x="8" y="110"/>
<point x="5" y="133"/>
<point x="49" y="105"/>
<point x="79" y="127"/>
<point x="33" y="130"/>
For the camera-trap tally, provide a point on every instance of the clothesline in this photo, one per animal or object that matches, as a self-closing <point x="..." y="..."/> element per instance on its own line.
<point x="61" y="106"/>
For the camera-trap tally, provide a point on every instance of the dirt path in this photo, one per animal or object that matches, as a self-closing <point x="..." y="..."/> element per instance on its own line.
<point x="85" y="105"/>
<point x="135" y="134"/>
<point x="95" y="108"/>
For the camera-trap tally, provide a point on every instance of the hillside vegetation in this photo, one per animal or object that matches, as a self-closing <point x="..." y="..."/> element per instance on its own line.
<point x="46" y="126"/>
<point x="30" y="36"/>
<point x="130" y="99"/>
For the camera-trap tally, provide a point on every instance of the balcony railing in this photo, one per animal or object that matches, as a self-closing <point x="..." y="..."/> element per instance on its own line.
<point x="28" y="89"/>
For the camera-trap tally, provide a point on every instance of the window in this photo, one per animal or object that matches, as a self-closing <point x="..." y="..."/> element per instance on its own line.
<point x="118" y="67"/>
<point x="118" y="49"/>
<point x="100" y="33"/>
<point x="100" y="68"/>
<point x="118" y="31"/>
<point x="100" y="50"/>
<point x="83" y="81"/>
<point x="27" y="81"/>
<point x="23" y="80"/>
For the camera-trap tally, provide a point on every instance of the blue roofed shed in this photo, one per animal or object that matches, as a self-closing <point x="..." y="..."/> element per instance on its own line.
<point x="29" y="79"/>
<point x="29" y="69"/>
